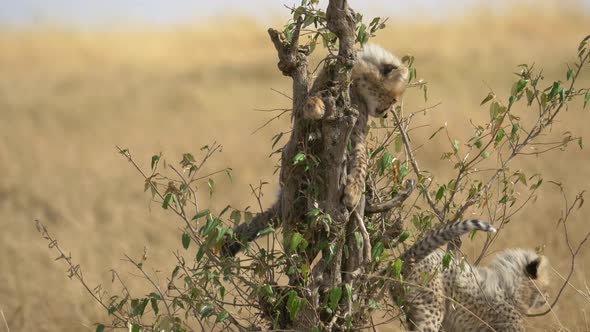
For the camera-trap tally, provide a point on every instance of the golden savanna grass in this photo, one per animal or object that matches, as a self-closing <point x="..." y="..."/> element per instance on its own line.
<point x="68" y="97"/>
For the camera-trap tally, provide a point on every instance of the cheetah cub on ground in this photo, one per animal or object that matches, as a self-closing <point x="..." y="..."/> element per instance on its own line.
<point x="471" y="298"/>
<point x="379" y="79"/>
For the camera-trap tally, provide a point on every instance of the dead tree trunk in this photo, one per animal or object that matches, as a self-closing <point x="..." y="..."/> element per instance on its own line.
<point x="304" y="191"/>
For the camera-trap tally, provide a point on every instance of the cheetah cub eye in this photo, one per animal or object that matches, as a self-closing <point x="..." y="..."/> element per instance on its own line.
<point x="388" y="68"/>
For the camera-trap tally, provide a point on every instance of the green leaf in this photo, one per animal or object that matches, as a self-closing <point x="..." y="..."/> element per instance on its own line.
<point x="225" y="209"/>
<point x="530" y="96"/>
<point x="155" y="308"/>
<point x="155" y="296"/>
<point x="248" y="216"/>
<point x="167" y="199"/>
<point x="386" y="160"/>
<point x="228" y="172"/>
<point x="314" y="213"/>
<point x="200" y="253"/>
<point x="175" y="272"/>
<point x="500" y="136"/>
<point x="211" y="185"/>
<point x="485" y="154"/>
<point x="298" y="12"/>
<point x="496" y="110"/>
<point x="358" y="239"/>
<point x="135" y="328"/>
<point x="580" y="143"/>
<point x="315" y="329"/>
<point x="554" y="90"/>
<point x="112" y="310"/>
<point x="570" y="74"/>
<point x="362" y="34"/>
<point x="413" y="74"/>
<point x="440" y="192"/>
<point x="201" y="214"/>
<point x="375" y="24"/>
<point x="210" y="225"/>
<point x="206" y="311"/>
<point x="265" y="231"/>
<point x="489" y="97"/>
<point x="518" y="87"/>
<point x="403" y="236"/>
<point x="377" y="251"/>
<point x="447" y="258"/>
<point x="511" y="100"/>
<point x="296" y="240"/>
<point x="514" y="131"/>
<point x="456" y="146"/>
<point x="267" y="289"/>
<point x="155" y="159"/>
<point x="335" y="296"/>
<point x="222" y="316"/>
<point x="402" y="171"/>
<point x="586" y="99"/>
<point x="138" y="307"/>
<point x="299" y="158"/>
<point x="398" y="143"/>
<point x="536" y="185"/>
<point x="348" y="289"/>
<point x="187" y="160"/>
<point x="235" y="216"/>
<point x="436" y="132"/>
<point x="175" y="200"/>
<point x="397" y="269"/>
<point x="377" y="150"/>
<point x="186" y="240"/>
<point x="99" y="328"/>
<point x="277" y="138"/>
<point x="293" y="304"/>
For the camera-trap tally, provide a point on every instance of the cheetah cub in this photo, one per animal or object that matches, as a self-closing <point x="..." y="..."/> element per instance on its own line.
<point x="379" y="79"/>
<point x="462" y="297"/>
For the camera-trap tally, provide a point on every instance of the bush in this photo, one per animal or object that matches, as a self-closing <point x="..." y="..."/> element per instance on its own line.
<point x="330" y="267"/>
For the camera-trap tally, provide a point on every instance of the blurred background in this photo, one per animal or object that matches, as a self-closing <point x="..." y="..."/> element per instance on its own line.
<point x="78" y="78"/>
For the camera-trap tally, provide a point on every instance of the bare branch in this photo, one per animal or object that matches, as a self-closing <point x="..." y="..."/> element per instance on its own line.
<point x="395" y="202"/>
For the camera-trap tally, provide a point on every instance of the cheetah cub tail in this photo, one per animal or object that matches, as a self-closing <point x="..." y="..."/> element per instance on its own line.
<point x="443" y="235"/>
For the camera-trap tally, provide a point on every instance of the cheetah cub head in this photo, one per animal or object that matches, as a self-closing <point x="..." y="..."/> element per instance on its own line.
<point x="526" y="277"/>
<point x="379" y="79"/>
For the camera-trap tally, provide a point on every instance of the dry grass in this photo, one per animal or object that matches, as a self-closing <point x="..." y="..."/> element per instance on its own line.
<point x="67" y="98"/>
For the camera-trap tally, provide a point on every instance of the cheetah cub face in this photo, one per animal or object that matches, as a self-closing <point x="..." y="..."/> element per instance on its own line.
<point x="379" y="79"/>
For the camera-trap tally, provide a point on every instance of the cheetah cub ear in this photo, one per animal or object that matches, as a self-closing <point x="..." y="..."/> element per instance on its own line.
<point x="532" y="268"/>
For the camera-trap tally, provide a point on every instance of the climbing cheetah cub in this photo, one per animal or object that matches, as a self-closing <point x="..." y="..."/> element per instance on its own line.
<point x="462" y="297"/>
<point x="379" y="79"/>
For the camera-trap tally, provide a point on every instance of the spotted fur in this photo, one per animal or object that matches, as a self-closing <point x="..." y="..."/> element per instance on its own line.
<point x="379" y="79"/>
<point x="462" y="297"/>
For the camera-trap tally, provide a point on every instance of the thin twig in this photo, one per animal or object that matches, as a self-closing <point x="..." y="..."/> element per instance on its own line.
<point x="4" y="320"/>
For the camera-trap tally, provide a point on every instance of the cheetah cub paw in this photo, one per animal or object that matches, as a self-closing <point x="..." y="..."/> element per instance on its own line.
<point x="352" y="193"/>
<point x="314" y="108"/>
